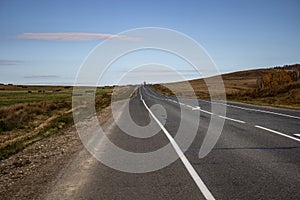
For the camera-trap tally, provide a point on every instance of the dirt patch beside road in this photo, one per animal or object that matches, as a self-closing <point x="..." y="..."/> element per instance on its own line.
<point x="27" y="174"/>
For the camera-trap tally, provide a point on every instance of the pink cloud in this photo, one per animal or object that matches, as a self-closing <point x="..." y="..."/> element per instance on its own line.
<point x="74" y="36"/>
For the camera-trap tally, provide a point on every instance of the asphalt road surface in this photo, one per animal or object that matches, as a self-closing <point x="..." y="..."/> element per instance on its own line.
<point x="257" y="155"/>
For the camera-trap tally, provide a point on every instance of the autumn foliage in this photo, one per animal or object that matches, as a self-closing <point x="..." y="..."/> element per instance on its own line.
<point x="275" y="79"/>
<point x="279" y="76"/>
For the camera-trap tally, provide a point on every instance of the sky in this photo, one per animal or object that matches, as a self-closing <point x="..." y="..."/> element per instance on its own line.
<point x="46" y="42"/>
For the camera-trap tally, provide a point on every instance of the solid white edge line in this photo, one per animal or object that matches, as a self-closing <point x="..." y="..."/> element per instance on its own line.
<point x="265" y="111"/>
<point x="236" y="120"/>
<point x="278" y="133"/>
<point x="252" y="109"/>
<point x="206" y="193"/>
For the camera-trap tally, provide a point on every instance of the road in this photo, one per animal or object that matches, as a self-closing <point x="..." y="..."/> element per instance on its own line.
<point x="257" y="155"/>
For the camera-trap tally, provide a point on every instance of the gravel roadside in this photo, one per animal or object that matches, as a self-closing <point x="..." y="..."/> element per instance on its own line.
<point x="29" y="173"/>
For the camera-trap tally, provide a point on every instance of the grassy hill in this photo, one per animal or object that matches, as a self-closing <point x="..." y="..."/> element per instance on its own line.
<point x="278" y="86"/>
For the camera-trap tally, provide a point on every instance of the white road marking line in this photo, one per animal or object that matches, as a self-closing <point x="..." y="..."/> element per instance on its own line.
<point x="236" y="120"/>
<point x="206" y="193"/>
<point x="298" y="135"/>
<point x="206" y="112"/>
<point x="278" y="133"/>
<point x="189" y="106"/>
<point x="186" y="105"/>
<point x="265" y="111"/>
<point x="196" y="108"/>
<point x="252" y="109"/>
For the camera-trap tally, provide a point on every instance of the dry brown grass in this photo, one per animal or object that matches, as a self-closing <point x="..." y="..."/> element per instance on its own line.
<point x="287" y="96"/>
<point x="17" y="116"/>
<point x="240" y="86"/>
<point x="28" y="117"/>
<point x="233" y="83"/>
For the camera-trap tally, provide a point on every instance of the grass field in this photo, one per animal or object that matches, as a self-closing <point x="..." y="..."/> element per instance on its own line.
<point x="30" y="113"/>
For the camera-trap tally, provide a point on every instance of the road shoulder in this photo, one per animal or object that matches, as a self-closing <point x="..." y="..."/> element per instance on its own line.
<point x="30" y="173"/>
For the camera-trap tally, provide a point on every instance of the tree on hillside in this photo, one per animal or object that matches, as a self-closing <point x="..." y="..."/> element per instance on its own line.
<point x="275" y="79"/>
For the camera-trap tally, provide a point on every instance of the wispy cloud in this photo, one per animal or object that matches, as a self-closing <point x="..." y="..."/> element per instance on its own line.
<point x="41" y="76"/>
<point x="9" y="62"/>
<point x="71" y="36"/>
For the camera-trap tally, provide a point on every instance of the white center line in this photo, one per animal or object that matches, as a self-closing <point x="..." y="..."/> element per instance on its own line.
<point x="250" y="109"/>
<point x="206" y="193"/>
<point x="298" y="135"/>
<point x="278" y="133"/>
<point x="206" y="112"/>
<point x="189" y="106"/>
<point x="210" y="113"/>
<point x="236" y="120"/>
<point x="198" y="108"/>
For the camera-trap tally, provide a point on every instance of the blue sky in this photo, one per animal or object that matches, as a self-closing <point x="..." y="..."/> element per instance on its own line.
<point x="237" y="34"/>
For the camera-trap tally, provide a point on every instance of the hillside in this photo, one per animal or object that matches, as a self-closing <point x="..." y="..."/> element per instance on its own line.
<point x="278" y="86"/>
